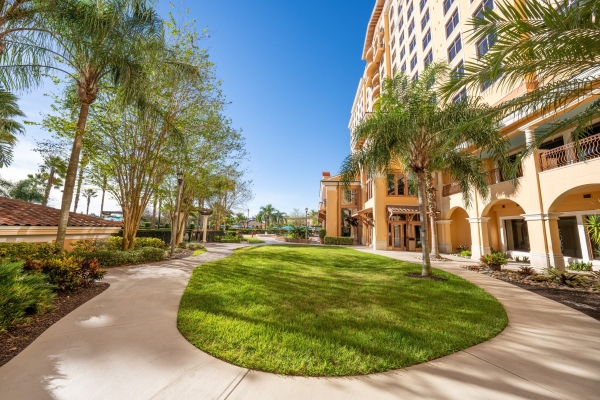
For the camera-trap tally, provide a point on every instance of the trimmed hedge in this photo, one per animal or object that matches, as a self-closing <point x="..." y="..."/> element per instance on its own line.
<point x="113" y="258"/>
<point x="21" y="251"/>
<point x="339" y="241"/>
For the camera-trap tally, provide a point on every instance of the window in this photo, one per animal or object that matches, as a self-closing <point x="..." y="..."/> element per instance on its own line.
<point x="569" y="237"/>
<point x="452" y="23"/>
<point x="403" y="69"/>
<point x="485" y="5"/>
<point x="410" y="11"/>
<point x="454" y="48"/>
<point x="411" y="27"/>
<point x="394" y="55"/>
<point x="401" y="40"/>
<point x="392" y="27"/>
<point x="401" y="24"/>
<point x="416" y="77"/>
<point x="424" y="20"/>
<point x="413" y="63"/>
<point x="400" y="9"/>
<point x="461" y="96"/>
<point x="346" y="227"/>
<point x="447" y="5"/>
<point x="427" y="39"/>
<point x="483" y="46"/>
<point x="429" y="58"/>
<point x="412" y="45"/>
<point x="517" y="234"/>
<point x="458" y="72"/>
<point x="397" y="185"/>
<point x="422" y="4"/>
<point x="402" y="53"/>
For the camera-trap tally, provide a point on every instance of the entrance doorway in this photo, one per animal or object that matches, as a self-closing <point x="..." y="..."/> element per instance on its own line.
<point x="404" y="232"/>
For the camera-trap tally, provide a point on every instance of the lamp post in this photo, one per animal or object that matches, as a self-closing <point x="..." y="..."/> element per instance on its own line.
<point x="248" y="219"/>
<point x="306" y="210"/>
<point x="175" y="228"/>
<point x="205" y="212"/>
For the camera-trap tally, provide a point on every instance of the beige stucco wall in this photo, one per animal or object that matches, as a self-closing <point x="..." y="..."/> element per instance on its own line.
<point x="43" y="234"/>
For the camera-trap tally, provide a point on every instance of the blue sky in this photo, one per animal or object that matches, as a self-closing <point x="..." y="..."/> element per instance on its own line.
<point x="290" y="70"/>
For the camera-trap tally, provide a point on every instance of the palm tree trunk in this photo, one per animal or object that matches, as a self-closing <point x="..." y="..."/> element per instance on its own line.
<point x="87" y="211"/>
<point x="71" y="176"/>
<point x="422" y="185"/>
<point x="103" y="193"/>
<point x="48" y="186"/>
<point x="432" y="207"/>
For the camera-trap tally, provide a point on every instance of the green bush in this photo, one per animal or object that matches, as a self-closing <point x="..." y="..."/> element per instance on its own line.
<point x="68" y="273"/>
<point x="322" y="233"/>
<point x="116" y="243"/>
<point x="466" y="253"/>
<point x="580" y="266"/>
<point x="494" y="259"/>
<point x="339" y="241"/>
<point x="254" y="241"/>
<point x="22" y="251"/>
<point x="194" y="246"/>
<point x="113" y="258"/>
<point x="21" y="294"/>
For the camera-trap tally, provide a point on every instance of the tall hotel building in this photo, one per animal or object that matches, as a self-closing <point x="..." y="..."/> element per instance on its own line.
<point x="543" y="218"/>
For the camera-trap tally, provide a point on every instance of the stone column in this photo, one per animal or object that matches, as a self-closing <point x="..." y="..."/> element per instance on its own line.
<point x="544" y="240"/>
<point x="480" y="238"/>
<point x="445" y="236"/>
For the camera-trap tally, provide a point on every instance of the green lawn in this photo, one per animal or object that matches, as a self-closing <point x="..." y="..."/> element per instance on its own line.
<point x="323" y="311"/>
<point x="252" y="240"/>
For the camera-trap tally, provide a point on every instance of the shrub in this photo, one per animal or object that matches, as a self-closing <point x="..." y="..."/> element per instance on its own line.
<point x="466" y="253"/>
<point x="195" y="246"/>
<point x="562" y="277"/>
<point x="322" y="233"/>
<point x="494" y="259"/>
<point x="182" y="245"/>
<point x="21" y="294"/>
<point x="462" y="248"/>
<point x="116" y="243"/>
<point x="114" y="258"/>
<point x="526" y="271"/>
<point x="147" y="225"/>
<point x="68" y="273"/>
<point x="22" y="251"/>
<point x="580" y="266"/>
<point x="339" y="241"/>
<point x="141" y="242"/>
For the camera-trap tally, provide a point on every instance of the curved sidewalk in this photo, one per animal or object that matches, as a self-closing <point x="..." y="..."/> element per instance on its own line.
<point x="124" y="344"/>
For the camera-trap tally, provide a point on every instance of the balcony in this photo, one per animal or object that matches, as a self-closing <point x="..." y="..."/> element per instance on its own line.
<point x="589" y="149"/>
<point x="494" y="176"/>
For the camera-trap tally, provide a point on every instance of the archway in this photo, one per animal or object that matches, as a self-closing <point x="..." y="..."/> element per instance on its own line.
<point x="572" y="208"/>
<point x="508" y="231"/>
<point x="460" y="229"/>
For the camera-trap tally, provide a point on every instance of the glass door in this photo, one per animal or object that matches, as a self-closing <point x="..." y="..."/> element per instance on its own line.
<point x="398" y="231"/>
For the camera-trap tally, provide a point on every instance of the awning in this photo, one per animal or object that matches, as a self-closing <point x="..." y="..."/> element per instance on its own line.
<point x="403" y="209"/>
<point x="362" y="212"/>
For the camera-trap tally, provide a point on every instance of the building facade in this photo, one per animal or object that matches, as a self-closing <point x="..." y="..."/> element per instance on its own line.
<point x="542" y="217"/>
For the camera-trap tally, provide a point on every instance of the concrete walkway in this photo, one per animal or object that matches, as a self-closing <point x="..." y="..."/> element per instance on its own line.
<point x="124" y="344"/>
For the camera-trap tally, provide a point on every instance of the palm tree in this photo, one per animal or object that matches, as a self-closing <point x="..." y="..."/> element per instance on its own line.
<point x="411" y="130"/>
<point x="266" y="213"/>
<point x="5" y="187"/>
<point x="551" y="48"/>
<point x="279" y="218"/>
<point x="30" y="189"/>
<point x="88" y="194"/>
<point x="55" y="169"/>
<point x="95" y="44"/>
<point x="9" y="128"/>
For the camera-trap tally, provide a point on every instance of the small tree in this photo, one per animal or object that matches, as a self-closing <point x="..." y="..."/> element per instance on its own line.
<point x="30" y="189"/>
<point x="88" y="194"/>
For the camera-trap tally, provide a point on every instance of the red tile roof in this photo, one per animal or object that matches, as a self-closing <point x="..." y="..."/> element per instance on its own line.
<point x="22" y="213"/>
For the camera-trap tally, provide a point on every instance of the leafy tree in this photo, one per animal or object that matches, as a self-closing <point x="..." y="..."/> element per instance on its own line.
<point x="94" y="44"/>
<point x="30" y="189"/>
<point x="88" y="194"/>
<point x="413" y="131"/>
<point x="9" y="128"/>
<point x="5" y="187"/>
<point x="551" y="47"/>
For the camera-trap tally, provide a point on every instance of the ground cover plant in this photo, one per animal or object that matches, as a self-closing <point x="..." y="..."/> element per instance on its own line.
<point x="329" y="311"/>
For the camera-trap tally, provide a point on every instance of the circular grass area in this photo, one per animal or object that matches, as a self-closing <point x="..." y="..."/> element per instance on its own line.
<point x="326" y="311"/>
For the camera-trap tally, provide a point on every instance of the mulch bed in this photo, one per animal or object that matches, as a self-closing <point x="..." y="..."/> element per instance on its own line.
<point x="587" y="303"/>
<point x="18" y="337"/>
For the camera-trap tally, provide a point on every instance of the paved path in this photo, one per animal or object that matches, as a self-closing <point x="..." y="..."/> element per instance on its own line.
<point x="124" y="344"/>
